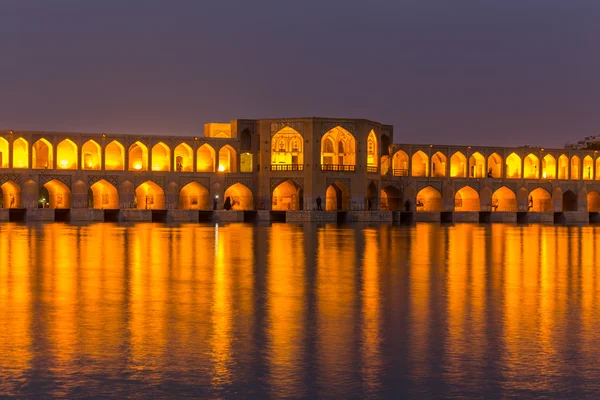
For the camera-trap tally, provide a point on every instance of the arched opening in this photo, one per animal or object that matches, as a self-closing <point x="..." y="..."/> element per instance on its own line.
<point x="569" y="201"/>
<point x="3" y="153"/>
<point x="184" y="158"/>
<point x="114" y="156"/>
<point x="205" y="158"/>
<point x="549" y="167"/>
<point x="390" y="199"/>
<point x="287" y="149"/>
<point x="149" y="196"/>
<point x="400" y="163"/>
<point x="438" y="165"/>
<point x="467" y="199"/>
<point x="598" y="168"/>
<point x="246" y="163"/>
<point x="575" y="165"/>
<point x="287" y="196"/>
<point x="539" y="200"/>
<point x="66" y="152"/>
<point x="338" y="149"/>
<point x="240" y="197"/>
<point x="531" y="167"/>
<point x="194" y="196"/>
<point x="593" y="202"/>
<point x="458" y="165"/>
<point x="372" y="200"/>
<point x="476" y="165"/>
<point x="495" y="166"/>
<point x="513" y="166"/>
<point x="58" y="195"/>
<point x="372" y="156"/>
<point x="588" y="168"/>
<point x="563" y="167"/>
<point x="10" y="195"/>
<point x="429" y="199"/>
<point x="138" y="157"/>
<point x="41" y="154"/>
<point x="420" y="164"/>
<point x="20" y="153"/>
<point x="385" y="165"/>
<point x="337" y="197"/>
<point x="104" y="195"/>
<point x="161" y="158"/>
<point x="504" y="199"/>
<point x="227" y="159"/>
<point x="90" y="155"/>
<point x="385" y="145"/>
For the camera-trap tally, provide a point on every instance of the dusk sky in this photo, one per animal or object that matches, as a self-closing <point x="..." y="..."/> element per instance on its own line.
<point x="510" y="72"/>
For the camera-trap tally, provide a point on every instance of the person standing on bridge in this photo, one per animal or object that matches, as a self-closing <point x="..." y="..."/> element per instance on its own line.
<point x="319" y="204"/>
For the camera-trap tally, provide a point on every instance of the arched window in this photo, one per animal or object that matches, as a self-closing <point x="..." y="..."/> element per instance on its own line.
<point x="41" y="156"/>
<point x="114" y="156"/>
<point x="341" y="156"/>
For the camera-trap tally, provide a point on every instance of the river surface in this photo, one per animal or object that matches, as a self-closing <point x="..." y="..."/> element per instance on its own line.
<point x="297" y="311"/>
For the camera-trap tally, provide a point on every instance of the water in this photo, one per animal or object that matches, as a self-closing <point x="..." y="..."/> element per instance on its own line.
<point x="253" y="311"/>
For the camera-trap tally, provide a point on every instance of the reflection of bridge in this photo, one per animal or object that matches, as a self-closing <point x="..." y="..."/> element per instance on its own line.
<point x="284" y="165"/>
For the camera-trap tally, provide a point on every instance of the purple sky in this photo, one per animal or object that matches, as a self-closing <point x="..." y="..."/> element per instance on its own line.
<point x="503" y="72"/>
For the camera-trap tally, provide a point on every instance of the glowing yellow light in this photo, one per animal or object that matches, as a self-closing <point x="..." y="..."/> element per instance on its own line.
<point x="64" y="163"/>
<point x="137" y="166"/>
<point x="544" y="174"/>
<point x="221" y="168"/>
<point x="90" y="164"/>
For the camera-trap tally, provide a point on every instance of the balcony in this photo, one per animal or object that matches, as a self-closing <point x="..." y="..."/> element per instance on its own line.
<point x="372" y="169"/>
<point x="336" y="167"/>
<point x="400" y="172"/>
<point x="287" y="167"/>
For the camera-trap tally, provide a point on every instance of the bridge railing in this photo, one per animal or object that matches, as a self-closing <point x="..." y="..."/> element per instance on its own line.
<point x="372" y="169"/>
<point x="287" y="167"/>
<point x="400" y="172"/>
<point x="337" y="167"/>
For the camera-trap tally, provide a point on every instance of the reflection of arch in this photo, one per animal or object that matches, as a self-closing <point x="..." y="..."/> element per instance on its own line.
<point x="3" y="153"/>
<point x="539" y="200"/>
<point x="287" y="147"/>
<point x="466" y="199"/>
<point x="531" y="167"/>
<point x="184" y="158"/>
<point x="344" y="147"/>
<point x="588" y="168"/>
<point x="400" y="163"/>
<point x="114" y="156"/>
<point x="438" y="164"/>
<point x="495" y="165"/>
<point x="569" y="201"/>
<point x="206" y="158"/>
<point x="458" y="165"/>
<point x="593" y="202"/>
<point x="161" y="155"/>
<point x="549" y="167"/>
<point x="477" y="166"/>
<point x="390" y="199"/>
<point x="420" y="164"/>
<point x="287" y="196"/>
<point x="138" y="157"/>
<point x="66" y="152"/>
<point x="337" y="197"/>
<point x="241" y="197"/>
<point x="104" y="195"/>
<point x="563" y="167"/>
<point x="429" y="199"/>
<point x="227" y="159"/>
<point x="20" y="153"/>
<point x="504" y="199"/>
<point x="575" y="165"/>
<point x="90" y="155"/>
<point x="11" y="195"/>
<point x="59" y="194"/>
<point x="150" y="196"/>
<point x="513" y="166"/>
<point x="41" y="156"/>
<point x="194" y="196"/>
<point x="372" y="154"/>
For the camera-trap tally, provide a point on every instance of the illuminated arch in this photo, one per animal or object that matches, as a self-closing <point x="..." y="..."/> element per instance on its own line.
<point x="41" y="154"/>
<point x="420" y="164"/>
<point x="575" y="166"/>
<point x="495" y="165"/>
<point x="531" y="167"/>
<point x="429" y="199"/>
<point x="593" y="202"/>
<point x="184" y="158"/>
<point x="597" y="168"/>
<point x="241" y="197"/>
<point x="504" y="199"/>
<point x="138" y="157"/>
<point x="91" y="155"/>
<point x="385" y="165"/>
<point x="337" y="197"/>
<point x="467" y="199"/>
<point x="161" y="157"/>
<point x="205" y="158"/>
<point x="20" y="153"/>
<point x="287" y="147"/>
<point x="563" y="167"/>
<point x="539" y="200"/>
<point x="66" y="152"/>
<point x="105" y="195"/>
<point x="3" y="153"/>
<point x="344" y="147"/>
<point x="390" y="199"/>
<point x="458" y="165"/>
<point x="400" y="163"/>
<point x="150" y="196"/>
<point x="513" y="166"/>
<point x="548" y="167"/>
<point x="11" y="195"/>
<point x="59" y="194"/>
<point x="438" y="164"/>
<point x="588" y="168"/>
<point x="227" y="159"/>
<point x="114" y="156"/>
<point x="372" y="148"/>
<point x="477" y="165"/>
<point x="287" y="196"/>
<point x="194" y="196"/>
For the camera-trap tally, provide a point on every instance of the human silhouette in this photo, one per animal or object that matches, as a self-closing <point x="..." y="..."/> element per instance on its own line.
<point x="227" y="204"/>
<point x="407" y="205"/>
<point x="319" y="204"/>
<point x="489" y="174"/>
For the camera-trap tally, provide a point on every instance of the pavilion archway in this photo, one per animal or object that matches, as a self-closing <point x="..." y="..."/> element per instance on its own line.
<point x="420" y="164"/>
<point x="575" y="166"/>
<point x="372" y="153"/>
<point x="467" y="199"/>
<point x="531" y="166"/>
<point x="104" y="195"/>
<point x="149" y="196"/>
<point x="114" y="156"/>
<point x="548" y="167"/>
<point x="337" y="197"/>
<point x="41" y="154"/>
<point x="438" y="164"/>
<point x="495" y="165"/>
<point x="504" y="200"/>
<point x="477" y="166"/>
<point x="458" y="165"/>
<point x="287" y="196"/>
<point x="58" y="194"/>
<point x="161" y="156"/>
<point x="10" y="193"/>
<point x="241" y="197"/>
<point x="91" y="155"/>
<point x="563" y="167"/>
<point x="588" y="168"/>
<point x="227" y="159"/>
<point x="429" y="199"/>
<point x="205" y="158"/>
<point x="3" y="153"/>
<point x="390" y="199"/>
<point x="593" y="202"/>
<point x="338" y="147"/>
<point x="539" y="200"/>
<point x="184" y="158"/>
<point x="400" y="163"/>
<point x="194" y="196"/>
<point x="287" y="149"/>
<point x="138" y="157"/>
<point x="66" y="152"/>
<point x="20" y="153"/>
<point x="513" y="166"/>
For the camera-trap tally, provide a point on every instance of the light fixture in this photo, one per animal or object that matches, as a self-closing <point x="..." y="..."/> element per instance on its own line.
<point x="221" y="168"/>
<point x="137" y="166"/>
<point x="64" y="163"/>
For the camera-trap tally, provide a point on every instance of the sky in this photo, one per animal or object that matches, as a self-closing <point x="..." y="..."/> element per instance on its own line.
<point x="498" y="73"/>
